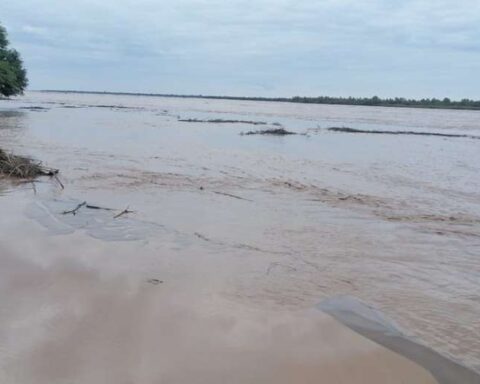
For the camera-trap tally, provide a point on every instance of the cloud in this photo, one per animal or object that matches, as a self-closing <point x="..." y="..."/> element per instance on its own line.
<point x="241" y="47"/>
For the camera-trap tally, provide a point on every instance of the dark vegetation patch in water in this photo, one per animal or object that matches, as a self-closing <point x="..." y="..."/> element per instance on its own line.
<point x="222" y="121"/>
<point x="23" y="167"/>
<point x="380" y="132"/>
<point x="113" y="107"/>
<point x="109" y="106"/>
<point x="274" y="132"/>
<point x="35" y="109"/>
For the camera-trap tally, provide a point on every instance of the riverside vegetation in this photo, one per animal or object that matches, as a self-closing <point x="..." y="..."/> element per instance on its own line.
<point x="13" y="76"/>
<point x="375" y="101"/>
<point x="13" y="81"/>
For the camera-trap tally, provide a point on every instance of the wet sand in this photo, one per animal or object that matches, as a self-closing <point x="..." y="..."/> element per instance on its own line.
<point x="233" y="242"/>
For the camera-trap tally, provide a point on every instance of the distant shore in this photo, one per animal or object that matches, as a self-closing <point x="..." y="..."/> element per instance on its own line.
<point x="398" y="102"/>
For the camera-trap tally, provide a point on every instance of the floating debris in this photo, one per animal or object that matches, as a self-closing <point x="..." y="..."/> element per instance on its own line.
<point x="221" y="121"/>
<point x="274" y="132"/>
<point x="381" y="132"/>
<point x="124" y="212"/>
<point x="75" y="210"/>
<point x="99" y="208"/>
<point x="98" y="224"/>
<point x="95" y="207"/>
<point x="23" y="167"/>
<point x="34" y="108"/>
<point x="230" y="195"/>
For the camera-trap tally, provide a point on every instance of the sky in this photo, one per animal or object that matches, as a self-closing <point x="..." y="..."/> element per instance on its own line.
<point x="389" y="48"/>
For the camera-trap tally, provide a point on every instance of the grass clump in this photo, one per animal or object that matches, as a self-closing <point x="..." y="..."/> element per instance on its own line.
<point x="274" y="132"/>
<point x="22" y="167"/>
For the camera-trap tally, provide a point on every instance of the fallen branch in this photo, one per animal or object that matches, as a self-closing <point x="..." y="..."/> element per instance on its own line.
<point x="89" y="206"/>
<point x="75" y="210"/>
<point x="55" y="176"/>
<point x="230" y="195"/>
<point x="124" y="212"/>
<point x="99" y="208"/>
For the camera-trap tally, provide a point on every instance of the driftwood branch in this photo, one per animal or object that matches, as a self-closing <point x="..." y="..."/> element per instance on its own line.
<point x="88" y="206"/>
<point x="230" y="195"/>
<point x="55" y="176"/>
<point x="95" y="207"/>
<point x="98" y="208"/>
<point x="124" y="212"/>
<point x="75" y="210"/>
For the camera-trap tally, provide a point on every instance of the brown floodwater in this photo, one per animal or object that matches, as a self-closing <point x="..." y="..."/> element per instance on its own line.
<point x="233" y="241"/>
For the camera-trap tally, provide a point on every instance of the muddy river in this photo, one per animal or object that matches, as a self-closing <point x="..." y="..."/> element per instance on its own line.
<point x="203" y="255"/>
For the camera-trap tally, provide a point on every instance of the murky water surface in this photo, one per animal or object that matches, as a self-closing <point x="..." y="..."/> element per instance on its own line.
<point x="260" y="223"/>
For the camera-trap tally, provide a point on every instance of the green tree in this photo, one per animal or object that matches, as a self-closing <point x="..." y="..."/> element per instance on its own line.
<point x="13" y="76"/>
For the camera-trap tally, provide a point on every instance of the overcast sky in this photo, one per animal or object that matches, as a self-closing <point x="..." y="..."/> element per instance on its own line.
<point x="412" y="48"/>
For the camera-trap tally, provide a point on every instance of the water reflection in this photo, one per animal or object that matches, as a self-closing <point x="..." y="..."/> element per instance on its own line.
<point x="12" y="125"/>
<point x="11" y="118"/>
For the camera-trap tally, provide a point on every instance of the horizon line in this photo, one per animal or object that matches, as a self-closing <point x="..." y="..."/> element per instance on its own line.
<point x="433" y="103"/>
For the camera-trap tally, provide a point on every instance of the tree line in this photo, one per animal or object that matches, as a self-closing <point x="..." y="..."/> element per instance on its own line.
<point x="445" y="103"/>
<point x="13" y="76"/>
<point x="393" y="102"/>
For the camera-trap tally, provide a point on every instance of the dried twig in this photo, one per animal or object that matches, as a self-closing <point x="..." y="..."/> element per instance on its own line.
<point x="58" y="180"/>
<point x="97" y="207"/>
<point x="75" y="210"/>
<point x="89" y="206"/>
<point x="230" y="195"/>
<point x="124" y="212"/>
